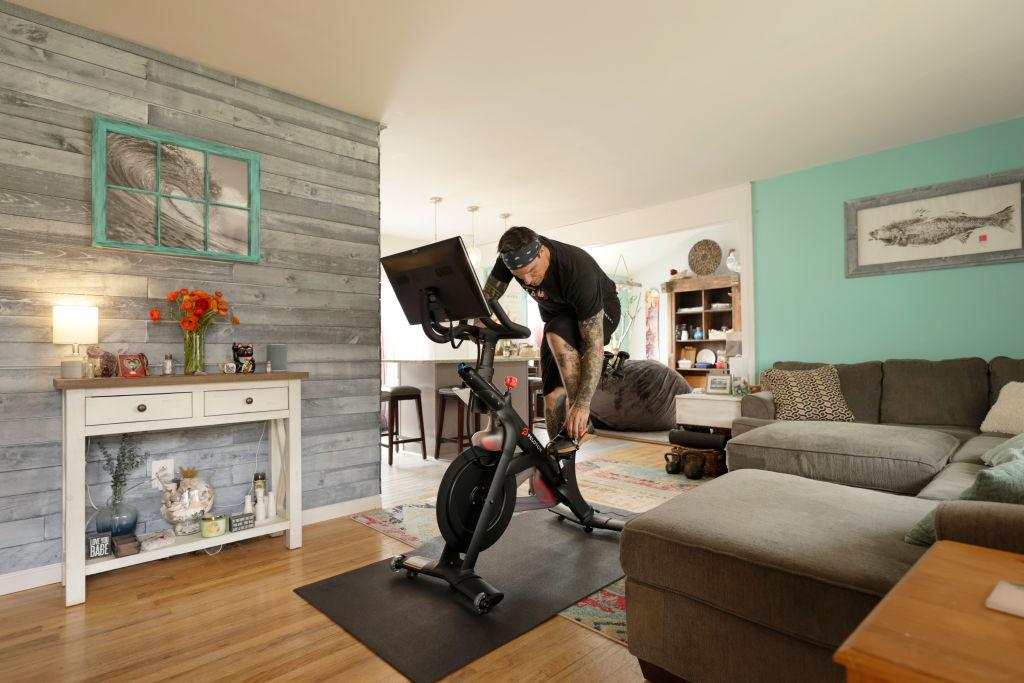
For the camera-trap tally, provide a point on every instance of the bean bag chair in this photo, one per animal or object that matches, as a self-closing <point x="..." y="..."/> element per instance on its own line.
<point x="643" y="400"/>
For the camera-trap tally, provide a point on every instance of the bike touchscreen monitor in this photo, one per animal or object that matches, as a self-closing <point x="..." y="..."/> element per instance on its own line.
<point x="444" y="267"/>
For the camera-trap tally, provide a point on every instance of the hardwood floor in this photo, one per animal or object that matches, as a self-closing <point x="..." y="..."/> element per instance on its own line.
<point x="233" y="616"/>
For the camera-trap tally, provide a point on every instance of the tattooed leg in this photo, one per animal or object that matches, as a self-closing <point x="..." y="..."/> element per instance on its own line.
<point x="554" y="411"/>
<point x="568" y="362"/>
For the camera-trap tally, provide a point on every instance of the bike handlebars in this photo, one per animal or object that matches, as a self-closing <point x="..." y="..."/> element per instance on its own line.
<point x="517" y="331"/>
<point x="440" y="334"/>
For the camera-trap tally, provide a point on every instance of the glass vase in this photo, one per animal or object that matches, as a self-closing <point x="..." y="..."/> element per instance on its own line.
<point x="118" y="518"/>
<point x="195" y="351"/>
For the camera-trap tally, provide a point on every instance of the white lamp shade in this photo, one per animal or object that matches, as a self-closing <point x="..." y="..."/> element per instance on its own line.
<point x="475" y="256"/>
<point x="76" y="324"/>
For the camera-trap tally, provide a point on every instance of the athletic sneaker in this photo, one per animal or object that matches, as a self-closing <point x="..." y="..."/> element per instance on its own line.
<point x="563" y="446"/>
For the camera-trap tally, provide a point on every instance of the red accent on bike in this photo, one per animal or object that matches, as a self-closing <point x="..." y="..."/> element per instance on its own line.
<point x="526" y="430"/>
<point x="511" y="382"/>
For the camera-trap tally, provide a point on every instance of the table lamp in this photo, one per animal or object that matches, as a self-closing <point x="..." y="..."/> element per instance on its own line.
<point x="75" y="325"/>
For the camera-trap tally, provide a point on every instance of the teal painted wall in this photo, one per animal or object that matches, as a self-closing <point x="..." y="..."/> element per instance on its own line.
<point x="808" y="310"/>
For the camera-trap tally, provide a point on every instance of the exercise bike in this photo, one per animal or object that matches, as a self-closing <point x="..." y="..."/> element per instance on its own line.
<point x="477" y="495"/>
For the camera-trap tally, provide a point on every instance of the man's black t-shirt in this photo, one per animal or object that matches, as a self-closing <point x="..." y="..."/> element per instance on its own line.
<point x="574" y="284"/>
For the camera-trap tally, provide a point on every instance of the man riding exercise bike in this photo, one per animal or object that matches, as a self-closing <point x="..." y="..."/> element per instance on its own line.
<point x="476" y="499"/>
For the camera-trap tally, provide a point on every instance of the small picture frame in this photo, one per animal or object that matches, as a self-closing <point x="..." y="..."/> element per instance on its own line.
<point x="719" y="384"/>
<point x="689" y="353"/>
<point x="97" y="544"/>
<point x="132" y="364"/>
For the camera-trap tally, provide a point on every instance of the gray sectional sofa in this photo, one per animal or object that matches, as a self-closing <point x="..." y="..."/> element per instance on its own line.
<point x="762" y="573"/>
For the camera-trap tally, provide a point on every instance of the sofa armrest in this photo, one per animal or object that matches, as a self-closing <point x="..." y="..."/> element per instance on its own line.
<point x="993" y="525"/>
<point x="742" y="425"/>
<point x="760" y="405"/>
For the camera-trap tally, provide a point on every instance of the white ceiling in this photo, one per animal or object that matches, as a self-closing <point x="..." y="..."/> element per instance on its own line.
<point x="565" y="111"/>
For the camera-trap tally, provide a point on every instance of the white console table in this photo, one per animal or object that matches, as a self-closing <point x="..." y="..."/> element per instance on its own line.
<point x="115" y="405"/>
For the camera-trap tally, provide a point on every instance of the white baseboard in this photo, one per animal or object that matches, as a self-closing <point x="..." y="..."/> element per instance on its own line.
<point x="349" y="507"/>
<point x="25" y="579"/>
<point x="29" y="578"/>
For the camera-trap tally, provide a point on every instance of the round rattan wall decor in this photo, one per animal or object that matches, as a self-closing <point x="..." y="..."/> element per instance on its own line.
<point x="705" y="257"/>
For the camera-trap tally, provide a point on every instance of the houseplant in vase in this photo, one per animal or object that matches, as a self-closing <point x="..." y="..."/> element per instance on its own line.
<point x="118" y="517"/>
<point x="196" y="310"/>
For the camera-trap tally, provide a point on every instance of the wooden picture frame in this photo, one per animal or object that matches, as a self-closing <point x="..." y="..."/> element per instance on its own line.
<point x="969" y="222"/>
<point x="718" y="384"/>
<point x="132" y="364"/>
<point x="161" y="192"/>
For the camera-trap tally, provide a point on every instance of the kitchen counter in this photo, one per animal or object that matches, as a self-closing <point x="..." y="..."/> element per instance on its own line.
<point x="434" y="374"/>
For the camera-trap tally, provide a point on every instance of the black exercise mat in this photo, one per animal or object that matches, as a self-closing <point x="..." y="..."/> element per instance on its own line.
<point x="426" y="631"/>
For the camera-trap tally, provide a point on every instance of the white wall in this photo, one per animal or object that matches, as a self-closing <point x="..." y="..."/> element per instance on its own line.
<point x="657" y="272"/>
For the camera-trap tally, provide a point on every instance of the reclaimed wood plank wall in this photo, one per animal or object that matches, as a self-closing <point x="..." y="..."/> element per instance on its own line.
<point x="316" y="289"/>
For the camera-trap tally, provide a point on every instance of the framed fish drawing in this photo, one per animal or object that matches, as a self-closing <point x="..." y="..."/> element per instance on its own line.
<point x="963" y="223"/>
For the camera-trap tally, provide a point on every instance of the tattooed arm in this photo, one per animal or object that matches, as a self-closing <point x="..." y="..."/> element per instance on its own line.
<point x="591" y="360"/>
<point x="494" y="288"/>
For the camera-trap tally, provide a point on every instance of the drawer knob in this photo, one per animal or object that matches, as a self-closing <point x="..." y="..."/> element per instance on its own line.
<point x="248" y="401"/>
<point x="141" y="407"/>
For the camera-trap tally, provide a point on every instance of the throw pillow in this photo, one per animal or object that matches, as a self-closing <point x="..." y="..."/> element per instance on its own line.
<point x="1001" y="484"/>
<point x="1007" y="415"/>
<point x="807" y="394"/>
<point x="1011" y="449"/>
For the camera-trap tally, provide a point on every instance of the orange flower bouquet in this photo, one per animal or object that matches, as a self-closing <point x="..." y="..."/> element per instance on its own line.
<point x="196" y="311"/>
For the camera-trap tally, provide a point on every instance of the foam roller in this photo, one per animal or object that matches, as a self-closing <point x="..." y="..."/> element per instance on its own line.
<point x="681" y="437"/>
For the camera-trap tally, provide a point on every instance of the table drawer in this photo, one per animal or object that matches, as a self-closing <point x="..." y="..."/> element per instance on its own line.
<point x="106" y="410"/>
<point x="234" y="401"/>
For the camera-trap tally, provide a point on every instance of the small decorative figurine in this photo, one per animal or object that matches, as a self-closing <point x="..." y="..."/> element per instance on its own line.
<point x="244" y="361"/>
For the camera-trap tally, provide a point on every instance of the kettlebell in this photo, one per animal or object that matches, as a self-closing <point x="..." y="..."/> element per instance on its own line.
<point x="694" y="467"/>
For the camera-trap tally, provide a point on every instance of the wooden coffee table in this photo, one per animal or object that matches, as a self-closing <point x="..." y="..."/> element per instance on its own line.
<point x="934" y="626"/>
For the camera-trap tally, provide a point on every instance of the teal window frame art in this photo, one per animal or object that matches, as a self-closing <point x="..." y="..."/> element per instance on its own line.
<point x="161" y="193"/>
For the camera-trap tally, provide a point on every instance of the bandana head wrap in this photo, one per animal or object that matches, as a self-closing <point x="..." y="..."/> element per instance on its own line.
<point x="523" y="256"/>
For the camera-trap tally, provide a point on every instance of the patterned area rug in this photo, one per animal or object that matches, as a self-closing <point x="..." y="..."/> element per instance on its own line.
<point x="603" y="481"/>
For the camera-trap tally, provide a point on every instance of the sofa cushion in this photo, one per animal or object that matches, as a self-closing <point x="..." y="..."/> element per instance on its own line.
<point x="962" y="434"/>
<point x="941" y="392"/>
<point x="883" y="457"/>
<point x="806" y="558"/>
<point x="807" y="394"/>
<point x="861" y="384"/>
<point x="1003" y="370"/>
<point x="972" y="449"/>
<point x="954" y="479"/>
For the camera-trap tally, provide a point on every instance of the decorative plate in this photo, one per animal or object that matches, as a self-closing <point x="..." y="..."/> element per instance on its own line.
<point x="705" y="257"/>
<point x="706" y="356"/>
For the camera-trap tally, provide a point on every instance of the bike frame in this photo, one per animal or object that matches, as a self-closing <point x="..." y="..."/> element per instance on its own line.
<point x="458" y="569"/>
<point x="561" y="480"/>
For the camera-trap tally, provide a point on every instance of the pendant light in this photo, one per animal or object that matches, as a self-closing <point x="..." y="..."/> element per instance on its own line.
<point x="474" y="251"/>
<point x="435" y="201"/>
<point x="505" y="216"/>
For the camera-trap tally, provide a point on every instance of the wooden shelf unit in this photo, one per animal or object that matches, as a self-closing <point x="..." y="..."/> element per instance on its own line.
<point x="702" y="292"/>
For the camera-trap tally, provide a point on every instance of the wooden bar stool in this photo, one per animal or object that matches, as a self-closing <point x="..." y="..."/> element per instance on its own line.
<point x="536" y="385"/>
<point x="393" y="395"/>
<point x="444" y="395"/>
